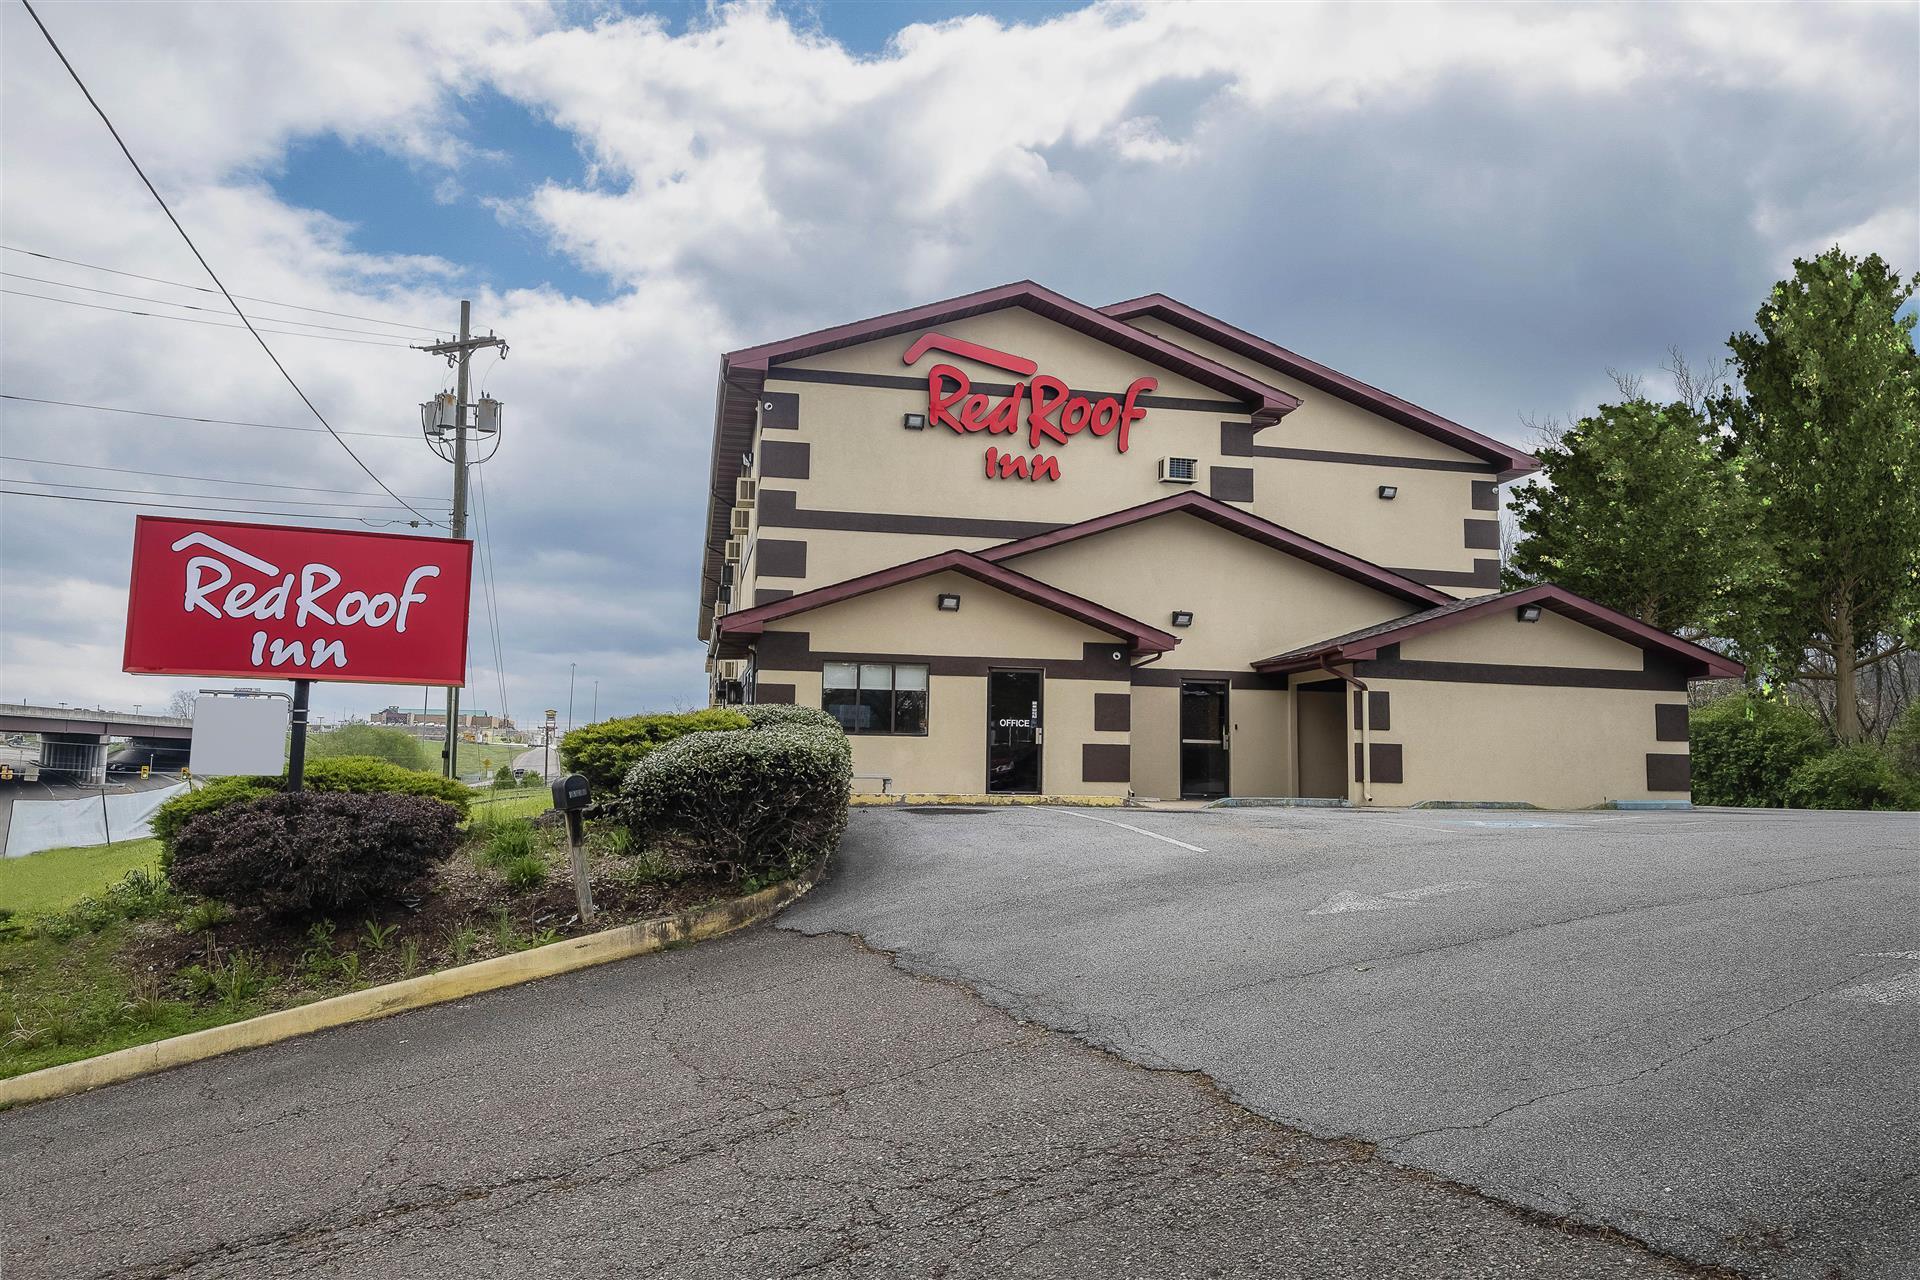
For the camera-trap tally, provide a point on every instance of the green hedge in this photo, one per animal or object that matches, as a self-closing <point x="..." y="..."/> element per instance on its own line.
<point x="762" y="803"/>
<point x="343" y="774"/>
<point x="1858" y="777"/>
<point x="604" y="751"/>
<point x="1745" y="748"/>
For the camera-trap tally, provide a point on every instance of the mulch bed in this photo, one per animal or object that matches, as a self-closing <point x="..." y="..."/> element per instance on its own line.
<point x="463" y="912"/>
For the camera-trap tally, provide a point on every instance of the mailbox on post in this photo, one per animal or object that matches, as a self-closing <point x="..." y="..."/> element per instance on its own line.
<point x="571" y="795"/>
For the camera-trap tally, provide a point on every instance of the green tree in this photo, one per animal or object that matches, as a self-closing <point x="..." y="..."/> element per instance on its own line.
<point x="1827" y="438"/>
<point x="503" y="778"/>
<point x="395" y="746"/>
<point x="1637" y="513"/>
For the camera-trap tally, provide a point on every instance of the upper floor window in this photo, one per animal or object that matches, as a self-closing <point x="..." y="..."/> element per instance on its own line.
<point x="876" y="697"/>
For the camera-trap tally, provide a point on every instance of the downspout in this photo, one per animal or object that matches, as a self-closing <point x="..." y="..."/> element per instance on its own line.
<point x="1366" y="717"/>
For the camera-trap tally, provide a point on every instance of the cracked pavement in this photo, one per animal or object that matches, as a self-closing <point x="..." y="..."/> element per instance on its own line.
<point x="1695" y="1027"/>
<point x="766" y="1105"/>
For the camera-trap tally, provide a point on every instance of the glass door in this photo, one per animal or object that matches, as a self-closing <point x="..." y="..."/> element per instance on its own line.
<point x="1203" y="739"/>
<point x="1013" y="731"/>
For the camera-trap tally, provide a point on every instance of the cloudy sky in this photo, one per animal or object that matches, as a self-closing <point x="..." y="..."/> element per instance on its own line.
<point x="1481" y="208"/>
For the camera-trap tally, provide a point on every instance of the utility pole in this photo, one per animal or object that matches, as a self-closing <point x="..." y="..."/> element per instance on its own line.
<point x="457" y="353"/>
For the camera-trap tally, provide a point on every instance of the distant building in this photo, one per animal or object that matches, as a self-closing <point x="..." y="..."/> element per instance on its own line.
<point x="470" y="721"/>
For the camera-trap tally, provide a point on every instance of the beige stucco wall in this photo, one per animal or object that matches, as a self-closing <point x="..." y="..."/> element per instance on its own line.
<point x="1156" y="742"/>
<point x="1249" y="601"/>
<point x="1500" y="636"/>
<point x="1559" y="748"/>
<point x="862" y="460"/>
<point x="904" y="623"/>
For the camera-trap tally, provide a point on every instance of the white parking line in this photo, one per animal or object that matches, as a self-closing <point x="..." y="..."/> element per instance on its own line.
<point x="1139" y="831"/>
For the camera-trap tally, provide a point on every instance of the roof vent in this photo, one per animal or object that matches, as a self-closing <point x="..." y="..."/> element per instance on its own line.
<point x="1179" y="470"/>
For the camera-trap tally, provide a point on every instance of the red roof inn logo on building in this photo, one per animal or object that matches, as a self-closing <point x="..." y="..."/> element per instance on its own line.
<point x="220" y="598"/>
<point x="1052" y="413"/>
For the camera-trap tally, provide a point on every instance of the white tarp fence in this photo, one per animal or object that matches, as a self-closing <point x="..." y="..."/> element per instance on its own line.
<point x="56" y="824"/>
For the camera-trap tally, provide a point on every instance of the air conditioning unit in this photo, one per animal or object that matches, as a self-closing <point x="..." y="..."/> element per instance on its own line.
<point x="1179" y="470"/>
<point x="734" y="548"/>
<point x="742" y="519"/>
<point x="743" y="491"/>
<point x="732" y="668"/>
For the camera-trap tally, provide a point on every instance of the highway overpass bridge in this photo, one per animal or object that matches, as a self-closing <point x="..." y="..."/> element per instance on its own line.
<point x="73" y="740"/>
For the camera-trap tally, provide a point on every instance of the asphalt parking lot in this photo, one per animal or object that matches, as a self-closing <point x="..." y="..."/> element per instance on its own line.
<point x="1697" y="1027"/>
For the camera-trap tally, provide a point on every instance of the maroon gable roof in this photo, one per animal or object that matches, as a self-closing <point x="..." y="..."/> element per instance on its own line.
<point x="1237" y="521"/>
<point x="743" y="376"/>
<point x="1511" y="461"/>
<point x="1358" y="646"/>
<point x="1141" y="637"/>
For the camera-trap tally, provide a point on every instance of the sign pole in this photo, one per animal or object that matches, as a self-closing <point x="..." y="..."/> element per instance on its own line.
<point x="297" y="751"/>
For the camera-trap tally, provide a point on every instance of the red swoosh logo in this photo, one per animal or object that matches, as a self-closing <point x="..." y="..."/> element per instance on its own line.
<point x="971" y="351"/>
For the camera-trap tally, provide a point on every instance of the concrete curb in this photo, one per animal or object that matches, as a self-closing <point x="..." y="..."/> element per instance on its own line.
<point x="928" y="797"/>
<point x="556" y="958"/>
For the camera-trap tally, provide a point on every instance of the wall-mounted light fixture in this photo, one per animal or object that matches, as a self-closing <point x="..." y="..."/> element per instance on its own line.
<point x="1388" y="492"/>
<point x="1183" y="617"/>
<point x="914" y="421"/>
<point x="949" y="602"/>
<point x="1529" y="613"/>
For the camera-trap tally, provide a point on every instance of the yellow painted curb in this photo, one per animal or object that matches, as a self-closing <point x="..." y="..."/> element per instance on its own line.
<point x="927" y="797"/>
<point x="635" y="939"/>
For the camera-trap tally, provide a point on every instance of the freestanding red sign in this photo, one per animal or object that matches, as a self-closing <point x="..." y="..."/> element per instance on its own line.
<point x="222" y="598"/>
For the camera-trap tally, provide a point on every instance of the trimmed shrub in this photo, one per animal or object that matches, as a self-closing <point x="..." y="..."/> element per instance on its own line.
<point x="1858" y="777"/>
<point x="765" y="717"/>
<point x="766" y="802"/>
<point x="312" y="853"/>
<point x="604" y="751"/>
<point x="1745" y="748"/>
<point x="212" y="796"/>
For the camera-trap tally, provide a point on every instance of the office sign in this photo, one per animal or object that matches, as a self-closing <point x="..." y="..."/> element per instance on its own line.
<point x="223" y="598"/>
<point x="1051" y="411"/>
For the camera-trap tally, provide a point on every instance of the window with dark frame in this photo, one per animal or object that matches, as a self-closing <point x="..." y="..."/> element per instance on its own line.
<point x="876" y="697"/>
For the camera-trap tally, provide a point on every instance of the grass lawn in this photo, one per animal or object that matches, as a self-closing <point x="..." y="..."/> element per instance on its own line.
<point x="499" y="805"/>
<point x="55" y="879"/>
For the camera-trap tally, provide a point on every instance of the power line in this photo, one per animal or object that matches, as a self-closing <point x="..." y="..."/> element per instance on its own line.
<point x="174" y="475"/>
<point x="491" y="578"/>
<point x="188" y="306"/>
<point x="228" y="511"/>
<point x="181" y="284"/>
<point x="221" y="497"/>
<point x="204" y="264"/>
<point x="181" y="417"/>
<point x="211" y="324"/>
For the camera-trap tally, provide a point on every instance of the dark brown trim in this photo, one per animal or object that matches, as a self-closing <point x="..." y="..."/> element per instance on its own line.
<point x="1485" y="573"/>
<point x="1482" y="535"/>
<point x="1230" y="484"/>
<point x="1234" y="520"/>
<point x="1669" y="772"/>
<point x="1502" y="673"/>
<point x="767" y="595"/>
<point x="773" y="695"/>
<point x="897" y="382"/>
<point x="1322" y="378"/>
<point x="780" y="410"/>
<point x="1379" y="710"/>
<point x="1159" y="677"/>
<point x="780" y="509"/>
<point x="1132" y="635"/>
<point x="792" y="651"/>
<point x="785" y="460"/>
<point x="1670" y="722"/>
<point x="1387" y="763"/>
<point x="1237" y="441"/>
<point x="1105" y="762"/>
<point x="1486" y="495"/>
<point x="1112" y="713"/>
<point x="780" y="558"/>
